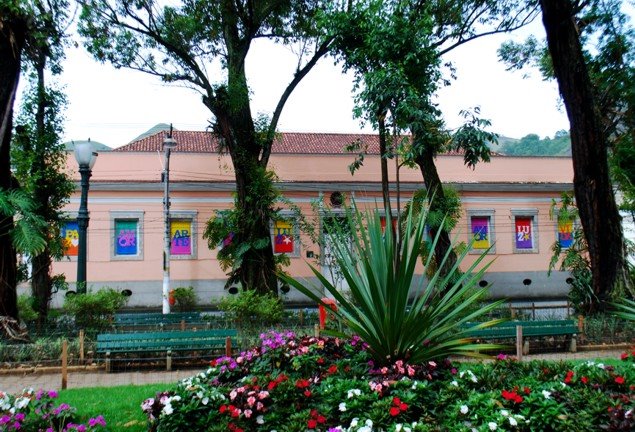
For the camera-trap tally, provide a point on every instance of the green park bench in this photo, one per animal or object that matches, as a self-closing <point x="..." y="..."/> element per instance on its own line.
<point x="167" y="342"/>
<point x="157" y="320"/>
<point x="507" y="330"/>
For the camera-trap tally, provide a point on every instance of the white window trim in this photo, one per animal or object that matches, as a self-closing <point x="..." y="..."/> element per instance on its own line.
<point x="116" y="215"/>
<point x="489" y="213"/>
<point x="190" y="215"/>
<point x="531" y="213"/>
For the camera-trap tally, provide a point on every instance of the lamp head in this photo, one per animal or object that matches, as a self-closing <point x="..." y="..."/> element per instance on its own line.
<point x="169" y="143"/>
<point x="85" y="155"/>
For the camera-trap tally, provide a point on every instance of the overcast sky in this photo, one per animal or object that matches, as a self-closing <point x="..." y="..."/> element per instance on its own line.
<point x="114" y="106"/>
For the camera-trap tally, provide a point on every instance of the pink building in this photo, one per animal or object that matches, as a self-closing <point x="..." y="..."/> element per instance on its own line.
<point x="505" y="204"/>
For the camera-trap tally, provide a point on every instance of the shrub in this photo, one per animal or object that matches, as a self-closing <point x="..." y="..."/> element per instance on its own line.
<point x="249" y="307"/>
<point x="26" y="313"/>
<point x="185" y="298"/>
<point x="396" y="316"/>
<point x="94" y="311"/>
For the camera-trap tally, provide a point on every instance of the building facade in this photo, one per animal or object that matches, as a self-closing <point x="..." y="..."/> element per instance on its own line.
<point x="505" y="205"/>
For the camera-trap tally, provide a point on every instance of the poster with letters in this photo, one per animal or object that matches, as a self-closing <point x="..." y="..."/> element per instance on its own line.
<point x="524" y="234"/>
<point x="70" y="238"/>
<point x="126" y="237"/>
<point x="181" y="237"/>
<point x="480" y="232"/>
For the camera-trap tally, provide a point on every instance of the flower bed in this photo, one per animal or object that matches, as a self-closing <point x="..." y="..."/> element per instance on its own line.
<point x="327" y="384"/>
<point x="37" y="411"/>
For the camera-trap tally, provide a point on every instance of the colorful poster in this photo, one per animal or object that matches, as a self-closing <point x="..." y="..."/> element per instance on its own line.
<point x="70" y="238"/>
<point x="283" y="237"/>
<point x="524" y="235"/>
<point x="126" y="237"/>
<point x="181" y="237"/>
<point x="480" y="232"/>
<point x="565" y="234"/>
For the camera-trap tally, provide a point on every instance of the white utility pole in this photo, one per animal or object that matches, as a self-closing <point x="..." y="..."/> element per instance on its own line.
<point x="168" y="144"/>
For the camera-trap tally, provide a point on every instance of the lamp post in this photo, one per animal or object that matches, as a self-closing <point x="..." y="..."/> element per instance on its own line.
<point x="86" y="158"/>
<point x="168" y="144"/>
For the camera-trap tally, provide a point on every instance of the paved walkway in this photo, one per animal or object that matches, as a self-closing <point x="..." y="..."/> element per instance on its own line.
<point x="53" y="381"/>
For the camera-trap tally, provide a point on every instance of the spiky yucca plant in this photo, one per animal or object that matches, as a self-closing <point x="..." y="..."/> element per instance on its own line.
<point x="396" y="313"/>
<point x="625" y="309"/>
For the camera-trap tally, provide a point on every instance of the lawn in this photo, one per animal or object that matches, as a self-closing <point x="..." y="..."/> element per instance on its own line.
<point x="120" y="406"/>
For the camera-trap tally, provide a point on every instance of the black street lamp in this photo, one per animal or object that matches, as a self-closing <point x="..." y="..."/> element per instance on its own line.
<point x="86" y="158"/>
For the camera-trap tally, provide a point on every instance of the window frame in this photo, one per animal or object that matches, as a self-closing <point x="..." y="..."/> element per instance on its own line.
<point x="185" y="215"/>
<point x="116" y="215"/>
<point x="295" y="229"/>
<point x="530" y="213"/>
<point x="482" y="213"/>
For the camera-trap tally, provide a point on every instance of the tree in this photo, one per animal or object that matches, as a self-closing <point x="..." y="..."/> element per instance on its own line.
<point x="592" y="186"/>
<point x="181" y="44"/>
<point x="395" y="48"/>
<point x="13" y="35"/>
<point x="38" y="155"/>
<point x="533" y="145"/>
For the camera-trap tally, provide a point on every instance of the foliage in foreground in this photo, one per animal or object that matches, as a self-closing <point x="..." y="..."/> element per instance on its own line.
<point x="398" y="316"/>
<point x="327" y="384"/>
<point x="37" y="411"/>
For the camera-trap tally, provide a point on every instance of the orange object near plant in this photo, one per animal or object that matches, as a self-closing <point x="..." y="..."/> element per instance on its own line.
<point x="322" y="310"/>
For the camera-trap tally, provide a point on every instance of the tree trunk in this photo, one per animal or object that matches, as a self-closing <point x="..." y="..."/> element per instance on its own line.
<point x="383" y="152"/>
<point x="41" y="284"/>
<point x="598" y="211"/>
<point x="436" y="194"/>
<point x="12" y="39"/>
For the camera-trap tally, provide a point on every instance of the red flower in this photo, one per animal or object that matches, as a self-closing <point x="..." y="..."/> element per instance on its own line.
<point x="584" y="380"/>
<point x="320" y="360"/>
<point x="624" y="356"/>
<point x="307" y="393"/>
<point x="619" y="380"/>
<point x="332" y="369"/>
<point x="526" y="390"/>
<point x="394" y="411"/>
<point x="222" y="409"/>
<point x="567" y="379"/>
<point x="302" y="383"/>
<point x="321" y="419"/>
<point x="312" y="424"/>
<point x="396" y="401"/>
<point x="512" y="396"/>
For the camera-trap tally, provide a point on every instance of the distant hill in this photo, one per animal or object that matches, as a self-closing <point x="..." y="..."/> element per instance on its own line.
<point x="533" y="145"/>
<point x="97" y="146"/>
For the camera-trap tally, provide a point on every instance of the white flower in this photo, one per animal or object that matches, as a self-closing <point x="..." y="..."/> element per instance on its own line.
<point x="342" y="406"/>
<point x="260" y="419"/>
<point x="365" y="429"/>
<point x="398" y="427"/>
<point x="512" y="421"/>
<point x="464" y="409"/>
<point x="505" y="413"/>
<point x="21" y="402"/>
<point x="354" y="422"/>
<point x="601" y="365"/>
<point x="205" y="400"/>
<point x="454" y="383"/>
<point x="546" y="394"/>
<point x="492" y="426"/>
<point x="167" y="409"/>
<point x="369" y="423"/>
<point x="354" y="392"/>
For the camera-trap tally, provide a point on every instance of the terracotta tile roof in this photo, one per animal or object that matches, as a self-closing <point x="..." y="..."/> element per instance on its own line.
<point x="286" y="143"/>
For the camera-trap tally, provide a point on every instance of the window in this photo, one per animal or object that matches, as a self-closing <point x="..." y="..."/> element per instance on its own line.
<point x="182" y="235"/>
<point x="565" y="234"/>
<point x="525" y="239"/>
<point x="70" y="238"/>
<point x="481" y="230"/>
<point x="285" y="237"/>
<point x="127" y="239"/>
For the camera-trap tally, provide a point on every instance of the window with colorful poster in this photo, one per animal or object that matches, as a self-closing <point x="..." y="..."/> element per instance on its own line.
<point x="181" y="237"/>
<point x="284" y="237"/>
<point x="480" y="229"/>
<point x="565" y="234"/>
<point x="70" y="238"/>
<point x="126" y="237"/>
<point x="524" y="232"/>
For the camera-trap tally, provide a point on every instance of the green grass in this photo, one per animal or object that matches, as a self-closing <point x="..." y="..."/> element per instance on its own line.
<point x="120" y="406"/>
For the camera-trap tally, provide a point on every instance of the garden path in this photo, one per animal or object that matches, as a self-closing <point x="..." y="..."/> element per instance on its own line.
<point x="16" y="383"/>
